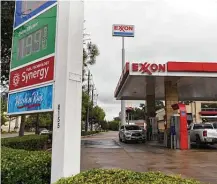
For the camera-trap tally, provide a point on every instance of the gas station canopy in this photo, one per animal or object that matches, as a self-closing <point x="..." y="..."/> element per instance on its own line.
<point x="195" y="80"/>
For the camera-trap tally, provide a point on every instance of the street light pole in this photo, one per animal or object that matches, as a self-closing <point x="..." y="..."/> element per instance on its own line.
<point x="123" y="110"/>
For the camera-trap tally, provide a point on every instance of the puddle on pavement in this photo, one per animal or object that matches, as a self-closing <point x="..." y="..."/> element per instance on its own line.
<point x="99" y="144"/>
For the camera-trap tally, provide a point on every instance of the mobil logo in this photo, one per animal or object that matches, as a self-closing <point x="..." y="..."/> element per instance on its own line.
<point x="123" y="30"/>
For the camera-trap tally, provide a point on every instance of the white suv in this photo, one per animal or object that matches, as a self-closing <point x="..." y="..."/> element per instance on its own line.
<point x="131" y="133"/>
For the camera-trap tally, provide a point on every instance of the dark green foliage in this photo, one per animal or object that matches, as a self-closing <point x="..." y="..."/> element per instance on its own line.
<point x="89" y="133"/>
<point x="90" y="54"/>
<point x="114" y="125"/>
<point x="159" y="105"/>
<point x="7" y="17"/>
<point x="116" y="176"/>
<point x="45" y="119"/>
<point x="104" y="125"/>
<point x="4" y="117"/>
<point x="97" y="113"/>
<point x="27" y="142"/>
<point x="85" y="103"/>
<point x="25" y="167"/>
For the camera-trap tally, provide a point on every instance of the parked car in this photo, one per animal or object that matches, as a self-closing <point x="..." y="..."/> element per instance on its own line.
<point x="44" y="132"/>
<point x="203" y="133"/>
<point x="131" y="133"/>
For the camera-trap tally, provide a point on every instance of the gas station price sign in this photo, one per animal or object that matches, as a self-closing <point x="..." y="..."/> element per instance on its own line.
<point x="26" y="9"/>
<point x="32" y="43"/>
<point x="29" y="6"/>
<point x="35" y="39"/>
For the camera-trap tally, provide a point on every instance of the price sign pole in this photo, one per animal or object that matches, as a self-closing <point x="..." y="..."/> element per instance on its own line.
<point x="46" y="74"/>
<point x="68" y="90"/>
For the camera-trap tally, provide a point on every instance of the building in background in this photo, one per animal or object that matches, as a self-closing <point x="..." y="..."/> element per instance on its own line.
<point x="203" y="111"/>
<point x="197" y="111"/>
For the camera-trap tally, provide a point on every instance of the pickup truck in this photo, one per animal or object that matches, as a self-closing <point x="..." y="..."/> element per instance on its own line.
<point x="203" y="133"/>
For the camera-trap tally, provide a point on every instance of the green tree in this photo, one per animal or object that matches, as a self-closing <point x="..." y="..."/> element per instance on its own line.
<point x="113" y="125"/>
<point x="4" y="117"/>
<point x="45" y="119"/>
<point x="137" y="113"/>
<point x="104" y="125"/>
<point x="159" y="105"/>
<point x="7" y="17"/>
<point x="85" y="103"/>
<point x="98" y="114"/>
<point x="89" y="54"/>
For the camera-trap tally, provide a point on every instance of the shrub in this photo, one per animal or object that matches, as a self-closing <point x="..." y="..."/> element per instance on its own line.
<point x="27" y="142"/>
<point x="114" y="125"/>
<point x="89" y="133"/>
<point x="25" y="167"/>
<point x="117" y="176"/>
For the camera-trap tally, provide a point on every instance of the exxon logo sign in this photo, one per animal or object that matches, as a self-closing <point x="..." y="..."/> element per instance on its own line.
<point x="123" y="30"/>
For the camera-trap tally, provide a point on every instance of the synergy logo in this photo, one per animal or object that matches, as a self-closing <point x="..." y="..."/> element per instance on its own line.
<point x="35" y="73"/>
<point x="16" y="79"/>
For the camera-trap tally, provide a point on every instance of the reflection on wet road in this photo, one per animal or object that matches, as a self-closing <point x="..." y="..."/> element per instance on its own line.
<point x="105" y="151"/>
<point x="100" y="144"/>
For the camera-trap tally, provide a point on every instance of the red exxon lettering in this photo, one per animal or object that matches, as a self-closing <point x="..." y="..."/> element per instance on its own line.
<point x="144" y="68"/>
<point x="148" y="68"/>
<point x="135" y="67"/>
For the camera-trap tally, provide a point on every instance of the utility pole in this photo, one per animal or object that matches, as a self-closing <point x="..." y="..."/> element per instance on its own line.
<point x="91" y="127"/>
<point x="88" y="109"/>
<point x="96" y="97"/>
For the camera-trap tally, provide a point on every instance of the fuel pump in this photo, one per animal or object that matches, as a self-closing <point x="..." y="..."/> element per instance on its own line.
<point x="178" y="125"/>
<point x="175" y="131"/>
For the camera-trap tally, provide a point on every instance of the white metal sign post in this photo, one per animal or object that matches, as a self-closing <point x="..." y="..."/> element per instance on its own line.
<point x="68" y="90"/>
<point x="121" y="30"/>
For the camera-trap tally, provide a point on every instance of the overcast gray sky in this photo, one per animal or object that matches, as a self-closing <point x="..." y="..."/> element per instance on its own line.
<point x="182" y="30"/>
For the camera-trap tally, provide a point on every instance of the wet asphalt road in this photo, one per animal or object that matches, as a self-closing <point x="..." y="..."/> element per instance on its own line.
<point x="105" y="151"/>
